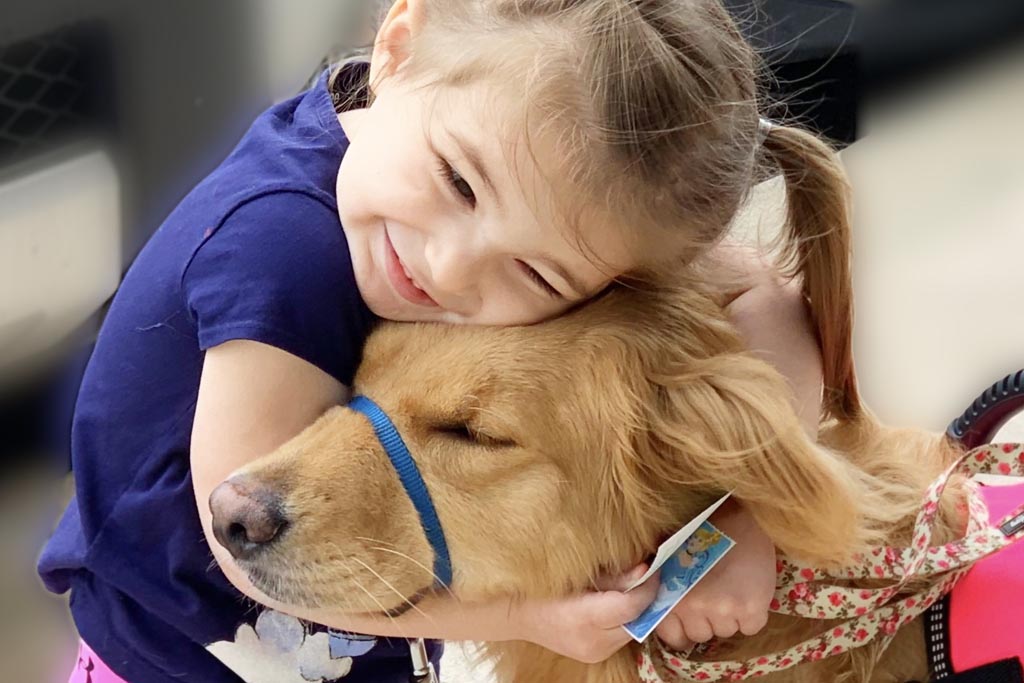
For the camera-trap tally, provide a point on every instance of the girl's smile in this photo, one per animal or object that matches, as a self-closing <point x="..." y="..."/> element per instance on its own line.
<point x="449" y="219"/>
<point x="404" y="283"/>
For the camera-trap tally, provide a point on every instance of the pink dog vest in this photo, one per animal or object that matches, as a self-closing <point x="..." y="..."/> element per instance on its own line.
<point x="978" y="632"/>
<point x="986" y="608"/>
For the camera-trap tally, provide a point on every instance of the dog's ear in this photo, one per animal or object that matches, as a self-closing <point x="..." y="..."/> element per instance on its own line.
<point x="727" y="423"/>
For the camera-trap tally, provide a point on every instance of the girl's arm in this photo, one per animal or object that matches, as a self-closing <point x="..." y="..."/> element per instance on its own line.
<point x="772" y="317"/>
<point x="587" y="628"/>
<point x="774" y="321"/>
<point x="253" y="398"/>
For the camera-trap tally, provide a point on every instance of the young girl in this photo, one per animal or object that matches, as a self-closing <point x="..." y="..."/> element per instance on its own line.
<point x="501" y="161"/>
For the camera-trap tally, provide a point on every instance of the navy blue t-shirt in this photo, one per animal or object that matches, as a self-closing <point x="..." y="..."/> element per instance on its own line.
<point x="255" y="252"/>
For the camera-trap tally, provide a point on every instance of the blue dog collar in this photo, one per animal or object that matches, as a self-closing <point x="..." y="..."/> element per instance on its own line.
<point x="412" y="481"/>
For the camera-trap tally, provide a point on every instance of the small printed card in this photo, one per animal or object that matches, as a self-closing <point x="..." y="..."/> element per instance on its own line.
<point x="669" y="547"/>
<point x="680" y="572"/>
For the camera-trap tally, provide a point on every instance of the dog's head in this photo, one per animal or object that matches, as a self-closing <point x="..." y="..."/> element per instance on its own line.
<point x="552" y="453"/>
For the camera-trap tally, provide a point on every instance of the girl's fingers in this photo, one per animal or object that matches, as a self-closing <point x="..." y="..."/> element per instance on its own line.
<point x="612" y="609"/>
<point x="671" y="633"/>
<point x="698" y="629"/>
<point x="622" y="581"/>
<point x="724" y="626"/>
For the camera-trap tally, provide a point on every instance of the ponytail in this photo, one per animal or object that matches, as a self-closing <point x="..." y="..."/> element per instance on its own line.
<point x="816" y="244"/>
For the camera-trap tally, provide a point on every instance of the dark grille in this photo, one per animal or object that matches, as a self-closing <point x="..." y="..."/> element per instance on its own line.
<point x="50" y="89"/>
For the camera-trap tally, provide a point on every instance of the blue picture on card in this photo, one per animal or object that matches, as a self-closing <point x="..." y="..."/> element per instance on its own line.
<point x="681" y="572"/>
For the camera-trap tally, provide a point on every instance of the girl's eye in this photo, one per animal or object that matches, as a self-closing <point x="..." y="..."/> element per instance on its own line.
<point x="457" y="183"/>
<point x="540" y="281"/>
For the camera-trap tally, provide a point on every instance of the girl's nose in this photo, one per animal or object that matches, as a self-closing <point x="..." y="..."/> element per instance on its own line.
<point x="454" y="265"/>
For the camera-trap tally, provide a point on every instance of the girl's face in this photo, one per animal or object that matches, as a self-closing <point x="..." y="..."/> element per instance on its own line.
<point x="441" y="227"/>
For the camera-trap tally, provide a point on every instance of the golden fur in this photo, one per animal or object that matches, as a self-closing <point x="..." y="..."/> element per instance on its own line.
<point x="558" y="452"/>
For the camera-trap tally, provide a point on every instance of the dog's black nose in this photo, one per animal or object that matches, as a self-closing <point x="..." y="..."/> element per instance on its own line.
<point x="246" y="516"/>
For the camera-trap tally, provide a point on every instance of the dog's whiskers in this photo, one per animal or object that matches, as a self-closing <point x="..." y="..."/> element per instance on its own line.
<point x="393" y="549"/>
<point x="376" y="541"/>
<point x="379" y="604"/>
<point x="419" y="564"/>
<point x="337" y="561"/>
<point x="392" y="588"/>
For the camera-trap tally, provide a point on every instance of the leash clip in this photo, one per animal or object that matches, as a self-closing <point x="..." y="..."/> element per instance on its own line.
<point x="422" y="668"/>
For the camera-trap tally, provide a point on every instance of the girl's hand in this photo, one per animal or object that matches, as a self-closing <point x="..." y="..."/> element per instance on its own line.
<point x="588" y="627"/>
<point x="734" y="597"/>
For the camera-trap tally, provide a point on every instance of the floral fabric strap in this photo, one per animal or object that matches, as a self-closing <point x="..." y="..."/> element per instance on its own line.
<point x="868" y="614"/>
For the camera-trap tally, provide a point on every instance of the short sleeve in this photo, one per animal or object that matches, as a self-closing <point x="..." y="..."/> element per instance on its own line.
<point x="277" y="270"/>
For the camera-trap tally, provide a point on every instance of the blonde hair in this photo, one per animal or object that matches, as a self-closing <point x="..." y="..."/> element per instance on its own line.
<point x="649" y="111"/>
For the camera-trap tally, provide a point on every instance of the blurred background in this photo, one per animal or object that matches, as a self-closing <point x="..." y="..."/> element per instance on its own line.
<point x="110" y="111"/>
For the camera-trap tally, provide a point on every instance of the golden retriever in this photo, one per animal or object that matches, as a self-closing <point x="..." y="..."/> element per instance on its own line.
<point x="559" y="452"/>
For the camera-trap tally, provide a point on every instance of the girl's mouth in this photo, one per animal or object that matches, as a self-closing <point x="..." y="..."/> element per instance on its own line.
<point x="401" y="280"/>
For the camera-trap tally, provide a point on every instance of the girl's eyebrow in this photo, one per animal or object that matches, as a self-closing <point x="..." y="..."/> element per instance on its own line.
<point x="476" y="161"/>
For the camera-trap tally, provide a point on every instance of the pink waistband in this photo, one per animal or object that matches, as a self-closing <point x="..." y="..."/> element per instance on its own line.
<point x="91" y="669"/>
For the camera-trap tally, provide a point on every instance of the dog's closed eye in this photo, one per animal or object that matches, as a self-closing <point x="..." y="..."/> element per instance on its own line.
<point x="467" y="433"/>
<point x="455" y="430"/>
